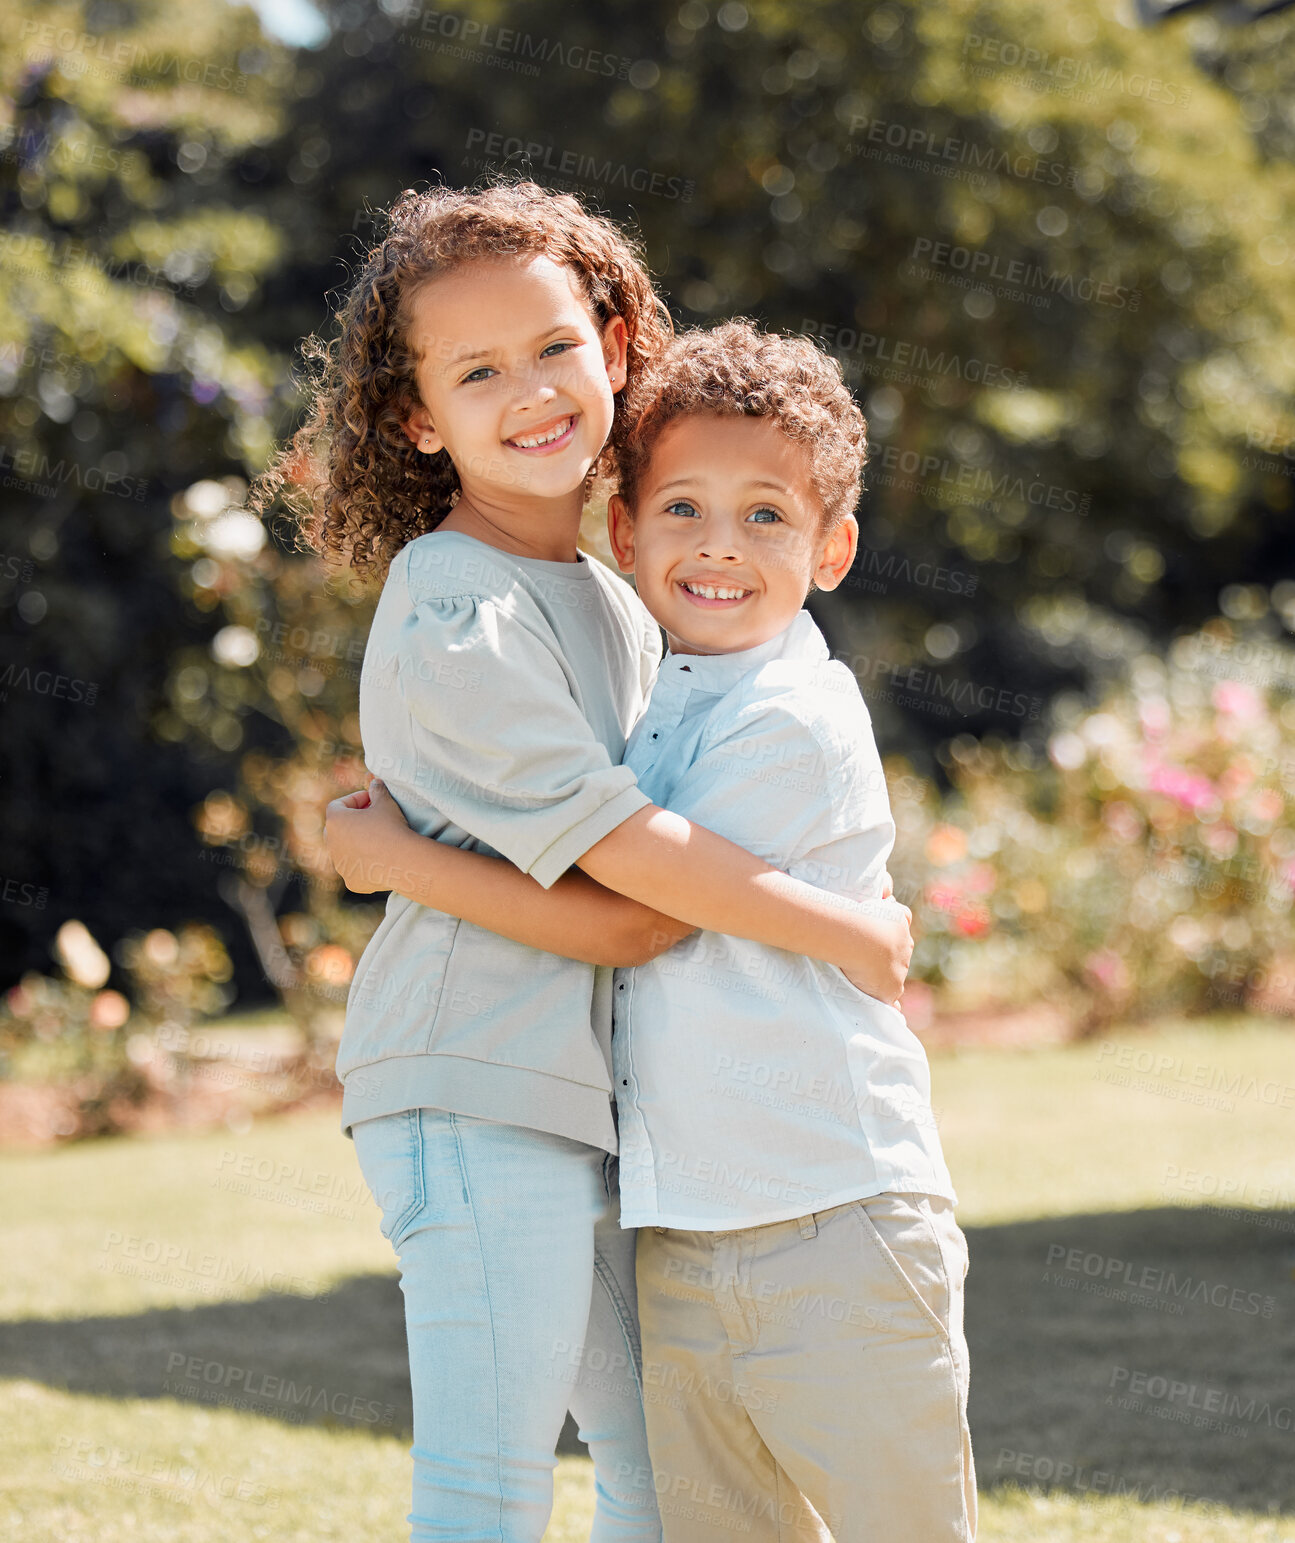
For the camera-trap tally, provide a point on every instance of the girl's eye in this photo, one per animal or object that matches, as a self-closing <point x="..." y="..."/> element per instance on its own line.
<point x="681" y="507"/>
<point x="765" y="516"/>
<point x="480" y="373"/>
<point x="556" y="347"/>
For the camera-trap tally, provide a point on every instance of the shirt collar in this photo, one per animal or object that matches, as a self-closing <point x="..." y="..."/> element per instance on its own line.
<point x="720" y="672"/>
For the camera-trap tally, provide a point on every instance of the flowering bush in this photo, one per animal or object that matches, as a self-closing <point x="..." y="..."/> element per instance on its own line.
<point x="72" y="1031"/>
<point x="1147" y="863"/>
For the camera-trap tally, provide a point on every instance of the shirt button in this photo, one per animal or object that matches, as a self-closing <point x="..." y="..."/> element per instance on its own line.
<point x="654" y="736"/>
<point x="621" y="987"/>
<point x="625" y="1082"/>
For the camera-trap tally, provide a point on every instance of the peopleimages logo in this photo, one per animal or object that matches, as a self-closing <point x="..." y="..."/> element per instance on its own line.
<point x="578" y="167"/>
<point x="908" y="360"/>
<point x="1017" y="278"/>
<point x="1067" y="74"/>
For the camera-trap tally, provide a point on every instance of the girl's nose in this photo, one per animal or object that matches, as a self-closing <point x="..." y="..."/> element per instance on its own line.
<point x="528" y="389"/>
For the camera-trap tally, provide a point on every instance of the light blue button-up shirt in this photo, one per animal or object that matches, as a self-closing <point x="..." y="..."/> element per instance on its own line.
<point x="755" y="1085"/>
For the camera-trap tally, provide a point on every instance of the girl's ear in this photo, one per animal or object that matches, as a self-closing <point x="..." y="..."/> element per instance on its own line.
<point x="620" y="532"/>
<point x="838" y="554"/>
<point x="616" y="342"/>
<point x="421" y="431"/>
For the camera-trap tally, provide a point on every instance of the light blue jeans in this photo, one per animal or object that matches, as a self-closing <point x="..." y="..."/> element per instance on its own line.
<point x="519" y="1304"/>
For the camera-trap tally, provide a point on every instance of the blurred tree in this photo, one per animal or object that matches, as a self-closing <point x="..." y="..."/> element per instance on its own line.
<point x="124" y="373"/>
<point x="1044" y="246"/>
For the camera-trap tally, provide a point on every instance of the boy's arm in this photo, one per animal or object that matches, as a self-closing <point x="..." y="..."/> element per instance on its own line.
<point x="373" y="848"/>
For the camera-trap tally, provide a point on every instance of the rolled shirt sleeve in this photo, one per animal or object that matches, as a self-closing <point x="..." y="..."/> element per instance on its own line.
<point x="503" y="747"/>
<point x="752" y="784"/>
<point x="787" y="781"/>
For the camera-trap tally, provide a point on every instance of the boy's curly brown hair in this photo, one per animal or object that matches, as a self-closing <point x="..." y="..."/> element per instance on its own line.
<point x="737" y="370"/>
<point x="358" y="489"/>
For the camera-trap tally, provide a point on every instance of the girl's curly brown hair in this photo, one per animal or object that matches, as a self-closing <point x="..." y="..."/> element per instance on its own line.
<point x="359" y="490"/>
<point x="737" y="370"/>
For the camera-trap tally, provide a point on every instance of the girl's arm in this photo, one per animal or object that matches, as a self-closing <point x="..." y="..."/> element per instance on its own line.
<point x="712" y="883"/>
<point x="575" y="918"/>
<point x="662" y="859"/>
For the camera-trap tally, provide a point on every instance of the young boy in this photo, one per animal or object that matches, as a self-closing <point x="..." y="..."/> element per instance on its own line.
<point x="800" y="1272"/>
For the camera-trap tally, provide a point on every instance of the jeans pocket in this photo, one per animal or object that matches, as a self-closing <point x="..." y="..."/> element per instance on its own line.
<point x="902" y="1233"/>
<point x="391" y="1160"/>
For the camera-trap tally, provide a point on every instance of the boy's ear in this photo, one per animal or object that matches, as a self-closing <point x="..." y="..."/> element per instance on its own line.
<point x="616" y="342"/>
<point x="838" y="553"/>
<point x="421" y="431"/>
<point x="620" y="532"/>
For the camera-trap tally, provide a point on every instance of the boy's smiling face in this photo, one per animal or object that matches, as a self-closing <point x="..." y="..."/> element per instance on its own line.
<point x="727" y="533"/>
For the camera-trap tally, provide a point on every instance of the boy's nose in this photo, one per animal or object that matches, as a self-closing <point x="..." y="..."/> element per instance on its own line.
<point x="719" y="546"/>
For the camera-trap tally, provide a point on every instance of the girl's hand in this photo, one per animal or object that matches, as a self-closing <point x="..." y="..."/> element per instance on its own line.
<point x="363" y="832"/>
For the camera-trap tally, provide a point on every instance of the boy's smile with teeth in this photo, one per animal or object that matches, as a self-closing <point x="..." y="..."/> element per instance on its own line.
<point x="714" y="591"/>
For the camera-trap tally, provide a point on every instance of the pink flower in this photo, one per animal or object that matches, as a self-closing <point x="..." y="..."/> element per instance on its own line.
<point x="1187" y="788"/>
<point x="1238" y="700"/>
<point x="1108" y="970"/>
<point x="943" y="897"/>
<point x="972" y="921"/>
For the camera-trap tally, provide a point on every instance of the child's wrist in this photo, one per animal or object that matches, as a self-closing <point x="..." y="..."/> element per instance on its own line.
<point x="410" y="857"/>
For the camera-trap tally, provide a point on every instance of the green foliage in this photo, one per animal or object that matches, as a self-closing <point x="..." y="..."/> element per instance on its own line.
<point x="1049" y="248"/>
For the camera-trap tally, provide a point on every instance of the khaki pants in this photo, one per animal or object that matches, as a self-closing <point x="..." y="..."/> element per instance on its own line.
<point x="810" y="1377"/>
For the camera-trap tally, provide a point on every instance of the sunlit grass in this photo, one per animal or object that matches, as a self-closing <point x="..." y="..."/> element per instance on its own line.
<point x="103" y="1470"/>
<point x="1044" y="1133"/>
<point x="130" y="1230"/>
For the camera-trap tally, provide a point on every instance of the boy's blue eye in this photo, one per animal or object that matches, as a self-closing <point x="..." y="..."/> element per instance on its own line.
<point x="773" y="515"/>
<point x="682" y="507"/>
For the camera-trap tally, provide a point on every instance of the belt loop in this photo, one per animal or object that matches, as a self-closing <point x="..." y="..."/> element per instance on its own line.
<point x="808" y="1226"/>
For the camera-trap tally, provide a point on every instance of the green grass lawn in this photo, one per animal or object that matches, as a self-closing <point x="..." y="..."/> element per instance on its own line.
<point x="201" y="1335"/>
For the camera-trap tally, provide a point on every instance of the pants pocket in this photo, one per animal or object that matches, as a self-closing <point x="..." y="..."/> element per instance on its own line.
<point x="902" y="1232"/>
<point x="390" y="1152"/>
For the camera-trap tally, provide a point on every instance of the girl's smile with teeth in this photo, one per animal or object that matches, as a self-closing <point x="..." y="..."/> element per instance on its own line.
<point x="557" y="433"/>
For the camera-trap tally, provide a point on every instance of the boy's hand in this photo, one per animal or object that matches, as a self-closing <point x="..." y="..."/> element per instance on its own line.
<point x="363" y="833"/>
<point x="883" y="973"/>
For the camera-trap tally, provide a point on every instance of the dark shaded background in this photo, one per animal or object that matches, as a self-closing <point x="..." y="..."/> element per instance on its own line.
<point x="182" y="193"/>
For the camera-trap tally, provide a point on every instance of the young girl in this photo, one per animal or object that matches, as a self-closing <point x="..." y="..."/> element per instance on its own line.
<point x="469" y="398"/>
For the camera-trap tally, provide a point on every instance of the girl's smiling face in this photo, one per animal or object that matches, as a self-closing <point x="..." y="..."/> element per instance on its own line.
<point x="727" y="533"/>
<point x="516" y="376"/>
